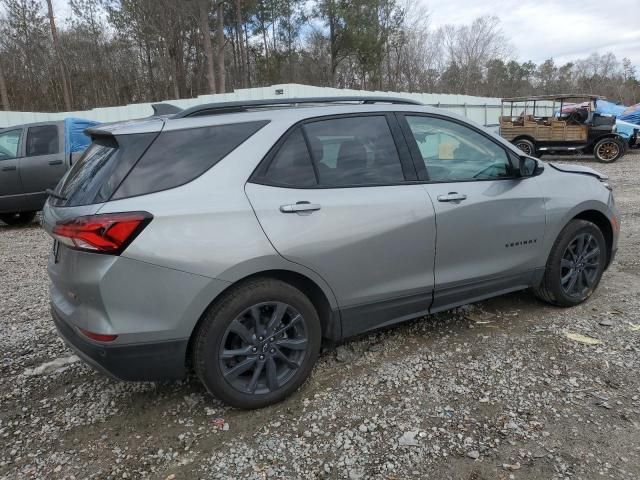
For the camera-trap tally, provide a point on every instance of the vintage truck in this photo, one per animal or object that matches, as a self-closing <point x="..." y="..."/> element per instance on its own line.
<point x="33" y="158"/>
<point x="560" y="124"/>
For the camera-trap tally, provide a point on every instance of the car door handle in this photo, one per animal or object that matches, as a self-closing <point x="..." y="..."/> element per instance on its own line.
<point x="9" y="168"/>
<point x="55" y="162"/>
<point x="452" y="197"/>
<point x="299" y="207"/>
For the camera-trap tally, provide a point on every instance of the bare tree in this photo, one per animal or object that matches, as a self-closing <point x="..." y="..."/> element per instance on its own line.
<point x="64" y="77"/>
<point x="3" y="90"/>
<point x="220" y="44"/>
<point x="204" y="7"/>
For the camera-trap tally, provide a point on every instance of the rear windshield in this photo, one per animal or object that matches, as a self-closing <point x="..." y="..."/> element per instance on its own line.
<point x="96" y="175"/>
<point x="123" y="166"/>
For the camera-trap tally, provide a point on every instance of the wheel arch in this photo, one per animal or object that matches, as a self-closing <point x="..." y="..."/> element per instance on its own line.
<point x="524" y="137"/>
<point x="603" y="223"/>
<point x="328" y="312"/>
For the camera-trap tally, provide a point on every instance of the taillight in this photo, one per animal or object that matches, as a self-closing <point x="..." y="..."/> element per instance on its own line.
<point x="105" y="233"/>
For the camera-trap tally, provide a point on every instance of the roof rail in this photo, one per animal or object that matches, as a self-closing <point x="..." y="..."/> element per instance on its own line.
<point x="243" y="106"/>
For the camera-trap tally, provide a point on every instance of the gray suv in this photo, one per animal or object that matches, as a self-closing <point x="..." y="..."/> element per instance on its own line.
<point x="233" y="239"/>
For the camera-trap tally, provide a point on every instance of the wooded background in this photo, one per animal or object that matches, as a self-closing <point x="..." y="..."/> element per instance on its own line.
<point x="114" y="52"/>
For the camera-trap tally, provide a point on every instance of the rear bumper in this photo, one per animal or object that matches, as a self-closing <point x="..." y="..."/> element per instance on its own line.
<point x="139" y="362"/>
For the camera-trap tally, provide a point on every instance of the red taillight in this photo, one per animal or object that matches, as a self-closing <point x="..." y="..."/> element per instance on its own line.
<point x="98" y="337"/>
<point x="106" y="233"/>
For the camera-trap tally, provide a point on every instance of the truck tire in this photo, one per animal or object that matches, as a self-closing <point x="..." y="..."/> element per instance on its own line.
<point x="608" y="150"/>
<point x="526" y="146"/>
<point x="20" y="218"/>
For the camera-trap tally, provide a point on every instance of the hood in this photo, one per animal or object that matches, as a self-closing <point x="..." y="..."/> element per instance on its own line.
<point x="578" y="169"/>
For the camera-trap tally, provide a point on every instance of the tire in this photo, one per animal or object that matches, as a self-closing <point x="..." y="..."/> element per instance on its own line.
<point x="608" y="150"/>
<point x="21" y="218"/>
<point x="562" y="264"/>
<point x="249" y="350"/>
<point x="526" y="146"/>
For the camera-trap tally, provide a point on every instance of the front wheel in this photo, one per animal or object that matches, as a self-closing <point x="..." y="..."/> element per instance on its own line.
<point x="257" y="344"/>
<point x="575" y="266"/>
<point x="21" y="218"/>
<point x="608" y="150"/>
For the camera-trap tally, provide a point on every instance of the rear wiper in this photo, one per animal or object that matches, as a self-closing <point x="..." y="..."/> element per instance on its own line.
<point x="53" y="194"/>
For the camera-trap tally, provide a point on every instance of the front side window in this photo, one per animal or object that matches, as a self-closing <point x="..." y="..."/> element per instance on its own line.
<point x="42" y="140"/>
<point x="9" y="144"/>
<point x="452" y="152"/>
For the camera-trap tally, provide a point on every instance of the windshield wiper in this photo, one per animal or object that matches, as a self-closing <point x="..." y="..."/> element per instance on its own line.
<point x="53" y="194"/>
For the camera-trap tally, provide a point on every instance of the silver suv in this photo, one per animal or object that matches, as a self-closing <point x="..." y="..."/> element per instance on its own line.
<point x="234" y="238"/>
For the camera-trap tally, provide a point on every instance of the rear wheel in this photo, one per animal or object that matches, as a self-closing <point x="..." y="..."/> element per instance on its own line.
<point x="526" y="146"/>
<point x="257" y="344"/>
<point x="575" y="265"/>
<point x="21" y="218"/>
<point x="608" y="150"/>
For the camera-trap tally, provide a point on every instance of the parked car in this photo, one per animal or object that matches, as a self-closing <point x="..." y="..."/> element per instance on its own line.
<point x="235" y="238"/>
<point x="562" y="124"/>
<point x="33" y="158"/>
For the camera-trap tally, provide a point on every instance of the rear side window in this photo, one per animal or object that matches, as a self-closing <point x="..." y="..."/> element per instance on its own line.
<point x="337" y="152"/>
<point x="42" y="140"/>
<point x="292" y="164"/>
<point x="179" y="156"/>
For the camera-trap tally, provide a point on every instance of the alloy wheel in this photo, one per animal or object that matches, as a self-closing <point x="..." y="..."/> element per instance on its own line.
<point x="579" y="265"/>
<point x="263" y="347"/>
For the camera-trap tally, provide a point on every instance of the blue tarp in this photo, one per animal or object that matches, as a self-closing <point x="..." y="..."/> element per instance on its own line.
<point x="625" y="129"/>
<point x="631" y="114"/>
<point x="608" y="108"/>
<point x="74" y="138"/>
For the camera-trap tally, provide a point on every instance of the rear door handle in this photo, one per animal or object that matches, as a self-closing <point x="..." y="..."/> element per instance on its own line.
<point x="9" y="168"/>
<point x="299" y="207"/>
<point x="55" y="162"/>
<point x="452" y="197"/>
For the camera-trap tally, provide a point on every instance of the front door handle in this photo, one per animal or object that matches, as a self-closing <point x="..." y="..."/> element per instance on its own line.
<point x="55" y="162"/>
<point x="299" y="207"/>
<point x="452" y="197"/>
<point x="9" y="168"/>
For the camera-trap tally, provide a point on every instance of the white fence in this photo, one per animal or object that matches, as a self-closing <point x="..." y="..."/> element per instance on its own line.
<point x="483" y="110"/>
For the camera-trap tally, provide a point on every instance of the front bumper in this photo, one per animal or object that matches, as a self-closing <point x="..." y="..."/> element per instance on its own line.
<point x="138" y="362"/>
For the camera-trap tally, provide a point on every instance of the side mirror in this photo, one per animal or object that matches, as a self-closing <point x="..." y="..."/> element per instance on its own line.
<point x="527" y="166"/>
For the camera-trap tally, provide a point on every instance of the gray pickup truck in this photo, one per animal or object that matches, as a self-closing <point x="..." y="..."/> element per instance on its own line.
<point x="33" y="158"/>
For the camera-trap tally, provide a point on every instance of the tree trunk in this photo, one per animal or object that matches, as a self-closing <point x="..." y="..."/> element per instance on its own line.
<point x="63" y="70"/>
<point x="221" y="86"/>
<point x="3" y="91"/>
<point x="240" y="35"/>
<point x="204" y="6"/>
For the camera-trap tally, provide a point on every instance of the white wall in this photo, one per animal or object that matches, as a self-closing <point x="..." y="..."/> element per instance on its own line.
<point x="483" y="110"/>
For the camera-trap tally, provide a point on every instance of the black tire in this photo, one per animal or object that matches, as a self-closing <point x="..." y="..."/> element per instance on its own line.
<point x="562" y="265"/>
<point x="608" y="150"/>
<point x="216" y="335"/>
<point x="526" y="146"/>
<point x="21" y="218"/>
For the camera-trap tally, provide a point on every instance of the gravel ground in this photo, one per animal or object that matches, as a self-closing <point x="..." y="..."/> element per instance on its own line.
<point x="495" y="390"/>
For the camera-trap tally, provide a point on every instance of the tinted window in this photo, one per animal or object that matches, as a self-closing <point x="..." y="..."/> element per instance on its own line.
<point x="95" y="176"/>
<point x="354" y="151"/>
<point x="292" y="164"/>
<point x="42" y="140"/>
<point x="453" y="152"/>
<point x="179" y="156"/>
<point x="9" y="144"/>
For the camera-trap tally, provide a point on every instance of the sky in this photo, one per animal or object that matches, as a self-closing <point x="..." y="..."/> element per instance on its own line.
<point x="562" y="29"/>
<point x="540" y="29"/>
